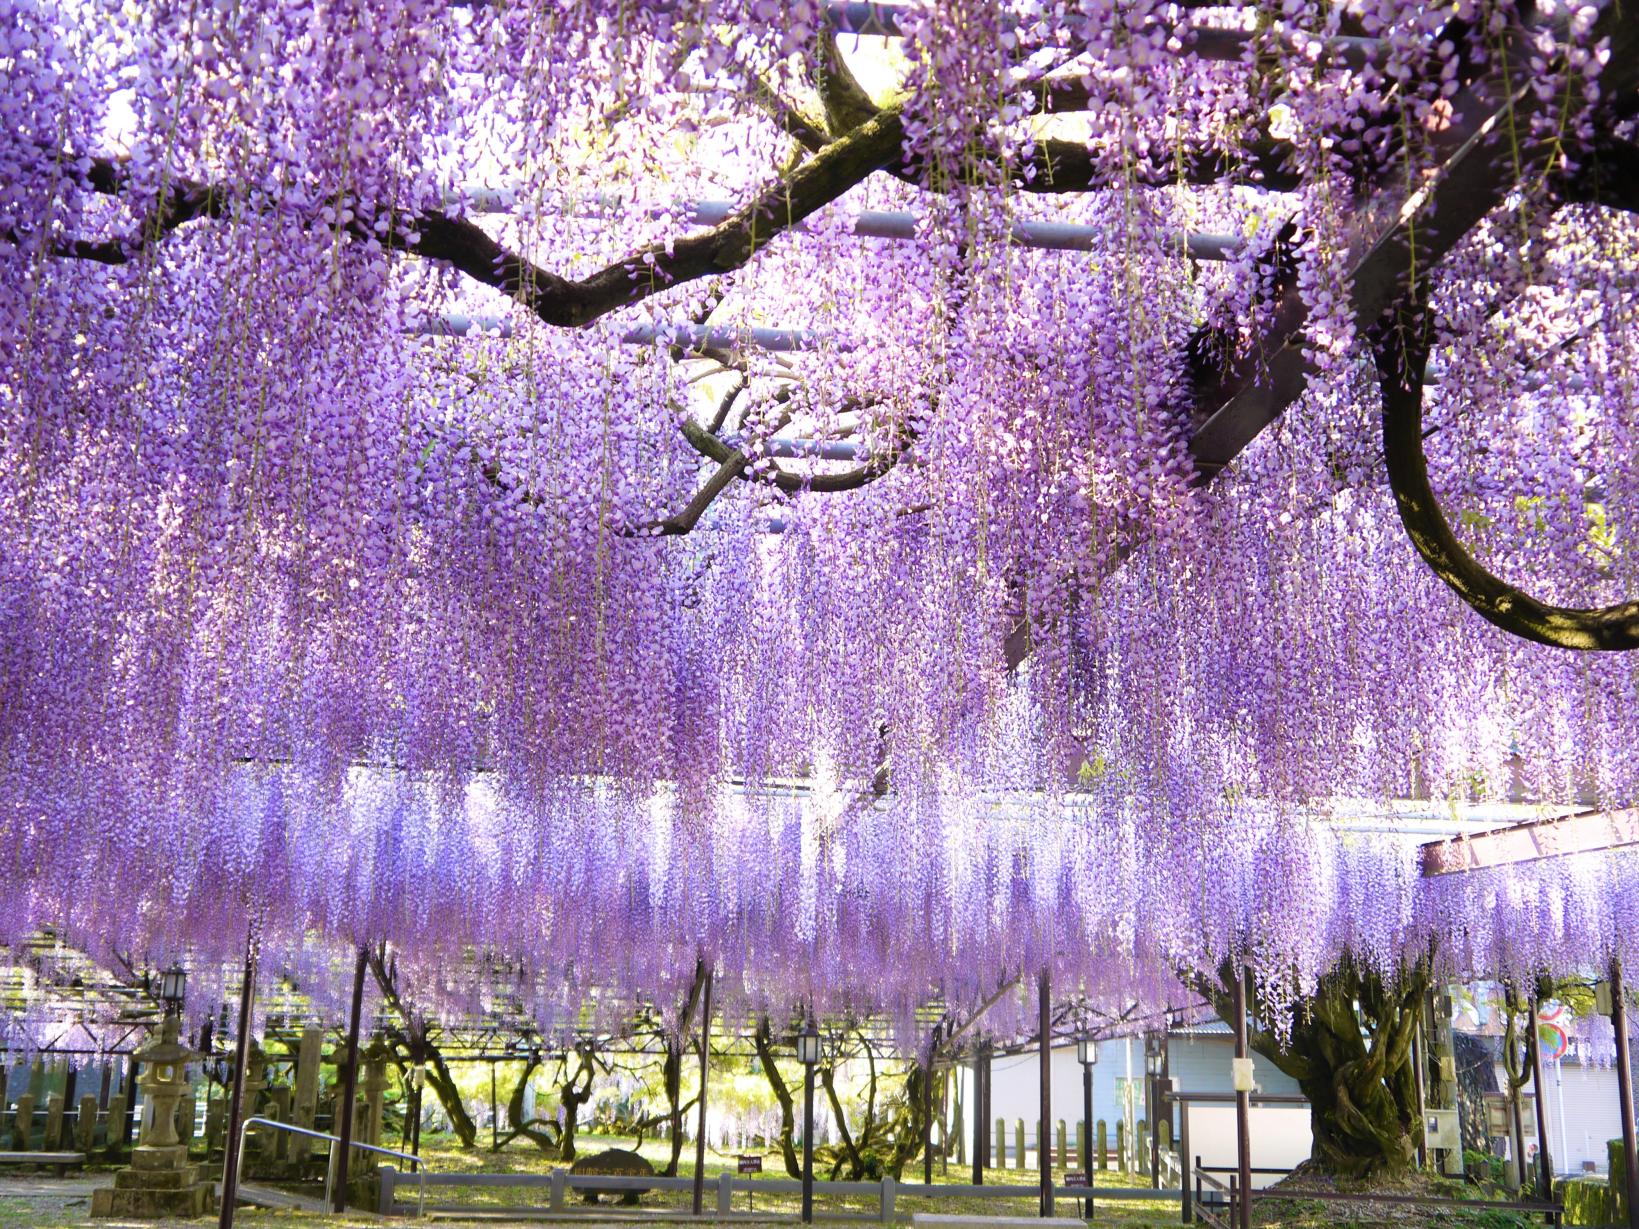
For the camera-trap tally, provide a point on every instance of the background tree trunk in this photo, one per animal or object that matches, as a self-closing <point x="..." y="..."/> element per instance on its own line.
<point x="782" y="1094"/>
<point x="1350" y="1053"/>
<point x="421" y="1049"/>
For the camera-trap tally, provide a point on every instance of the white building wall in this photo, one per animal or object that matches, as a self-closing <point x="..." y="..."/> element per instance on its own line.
<point x="1200" y="1063"/>
<point x="1196" y="1063"/>
<point x="1583" y="1114"/>
<point x="1015" y="1083"/>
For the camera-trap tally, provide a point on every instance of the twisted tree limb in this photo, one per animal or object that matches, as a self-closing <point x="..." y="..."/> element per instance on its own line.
<point x="556" y="300"/>
<point x="1401" y="352"/>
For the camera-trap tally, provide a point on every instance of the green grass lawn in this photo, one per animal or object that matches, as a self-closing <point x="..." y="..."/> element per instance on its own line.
<point x="43" y="1203"/>
<point x="443" y="1153"/>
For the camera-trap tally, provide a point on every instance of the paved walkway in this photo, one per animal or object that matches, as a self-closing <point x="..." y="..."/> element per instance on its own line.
<point x="40" y="1199"/>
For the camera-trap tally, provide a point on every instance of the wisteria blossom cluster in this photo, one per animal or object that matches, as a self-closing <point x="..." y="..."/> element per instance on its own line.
<point x="617" y="482"/>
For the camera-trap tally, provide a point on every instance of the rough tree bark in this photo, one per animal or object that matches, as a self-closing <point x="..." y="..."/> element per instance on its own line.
<point x="1350" y="1052"/>
<point x="671" y="1068"/>
<point x="763" y="1038"/>
<point x="539" y="1131"/>
<point x="574" y="1092"/>
<point x="421" y="1049"/>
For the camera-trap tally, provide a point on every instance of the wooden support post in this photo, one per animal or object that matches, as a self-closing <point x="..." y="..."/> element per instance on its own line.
<point x="700" y="1135"/>
<point x="1087" y="1121"/>
<point x="808" y="1143"/>
<point x="1243" y="1109"/>
<point x="1187" y="1194"/>
<point x="131" y="1094"/>
<point x="1419" y="1060"/>
<point x="981" y="1112"/>
<point x="1624" y="1087"/>
<point x="349" y="1088"/>
<point x="927" y="1110"/>
<point x="1044" y="1124"/>
<point x="236" y="1094"/>
<point x="1545" y="1162"/>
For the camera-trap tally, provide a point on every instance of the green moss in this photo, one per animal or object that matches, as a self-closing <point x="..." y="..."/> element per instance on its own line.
<point x="1588" y="1202"/>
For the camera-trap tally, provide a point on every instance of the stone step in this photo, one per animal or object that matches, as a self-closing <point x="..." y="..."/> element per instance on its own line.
<point x="157" y="1179"/>
<point x="269" y="1197"/>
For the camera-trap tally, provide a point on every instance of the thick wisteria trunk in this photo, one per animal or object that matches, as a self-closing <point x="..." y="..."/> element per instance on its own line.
<point x="782" y="1097"/>
<point x="1349" y="1050"/>
<point x="442" y="1082"/>
<point x="574" y="1092"/>
<point x="849" y="1152"/>
<point x="422" y="1050"/>
<point x="671" y="1074"/>
<point x="907" y="1125"/>
<point x="671" y="1068"/>
<point x="536" y="1130"/>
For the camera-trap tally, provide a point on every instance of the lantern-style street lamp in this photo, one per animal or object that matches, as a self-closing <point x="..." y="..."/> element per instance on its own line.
<point x="808" y="1050"/>
<point x="173" y="989"/>
<point x="1087" y="1055"/>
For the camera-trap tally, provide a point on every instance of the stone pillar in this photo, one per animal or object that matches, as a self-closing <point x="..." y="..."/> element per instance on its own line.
<point x="216" y="1123"/>
<point x="53" y="1138"/>
<point x="278" y="1109"/>
<point x="372" y="1108"/>
<point x="1143" y="1148"/>
<point x="1018" y="1143"/>
<point x="22" y="1124"/>
<point x="256" y="1141"/>
<point x="1121" y="1145"/>
<point x="186" y="1115"/>
<point x="118" y="1108"/>
<point x="159" y="1183"/>
<point x="1103" y="1144"/>
<point x="85" y="1125"/>
<point x="375" y="1092"/>
<point x="304" y="1107"/>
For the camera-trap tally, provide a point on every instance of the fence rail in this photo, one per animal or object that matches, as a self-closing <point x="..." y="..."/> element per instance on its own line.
<point x="330" y="1169"/>
<point x="1206" y="1212"/>
<point x="560" y="1182"/>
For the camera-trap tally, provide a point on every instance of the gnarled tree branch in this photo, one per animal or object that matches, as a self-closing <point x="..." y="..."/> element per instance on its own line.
<point x="1401" y="351"/>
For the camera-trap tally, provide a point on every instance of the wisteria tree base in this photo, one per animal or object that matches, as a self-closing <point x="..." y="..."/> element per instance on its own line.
<point x="1349" y="1047"/>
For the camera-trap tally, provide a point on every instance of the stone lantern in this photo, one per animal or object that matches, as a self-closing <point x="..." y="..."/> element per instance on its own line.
<point x="160" y="1181"/>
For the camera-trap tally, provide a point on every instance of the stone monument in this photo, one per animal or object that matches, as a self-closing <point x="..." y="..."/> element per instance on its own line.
<point x="160" y="1181"/>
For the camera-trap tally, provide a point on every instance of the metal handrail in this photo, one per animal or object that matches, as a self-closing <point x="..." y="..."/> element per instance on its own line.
<point x="330" y="1168"/>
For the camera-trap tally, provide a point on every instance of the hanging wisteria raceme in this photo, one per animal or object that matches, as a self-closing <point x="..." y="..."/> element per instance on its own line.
<point x="618" y="483"/>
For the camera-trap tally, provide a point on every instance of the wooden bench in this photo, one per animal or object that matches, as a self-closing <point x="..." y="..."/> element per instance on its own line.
<point x="60" y="1161"/>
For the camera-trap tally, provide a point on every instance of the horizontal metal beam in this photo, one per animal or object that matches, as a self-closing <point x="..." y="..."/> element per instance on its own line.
<point x="890" y="224"/>
<point x="1205" y="42"/>
<point x="788" y="448"/>
<point x="1585" y="832"/>
<point x="691" y="337"/>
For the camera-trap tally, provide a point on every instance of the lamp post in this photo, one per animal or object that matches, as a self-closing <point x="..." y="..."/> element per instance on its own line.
<point x="1241" y="1073"/>
<point x="173" y="989"/>
<point x="1087" y="1055"/>
<point x="808" y="1050"/>
<point x="1044" y="1142"/>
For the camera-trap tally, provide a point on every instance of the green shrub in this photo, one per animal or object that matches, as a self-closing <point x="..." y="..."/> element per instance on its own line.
<point x="1483" y="1167"/>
